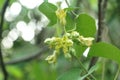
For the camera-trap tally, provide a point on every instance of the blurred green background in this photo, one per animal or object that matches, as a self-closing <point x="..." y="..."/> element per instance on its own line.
<point x="26" y="28"/>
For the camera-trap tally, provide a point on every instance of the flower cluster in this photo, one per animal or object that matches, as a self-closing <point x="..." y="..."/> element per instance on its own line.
<point x="65" y="43"/>
<point x="61" y="14"/>
<point x="57" y="43"/>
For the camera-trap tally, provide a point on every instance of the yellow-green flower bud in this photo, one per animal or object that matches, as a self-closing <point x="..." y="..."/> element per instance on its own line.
<point x="67" y="55"/>
<point x="72" y="51"/>
<point x="48" y="40"/>
<point x="68" y="34"/>
<point x="75" y="34"/>
<point x="65" y="49"/>
<point x="61" y="14"/>
<point x="86" y="41"/>
<point x="69" y="42"/>
<point x="58" y="43"/>
<point x="51" y="58"/>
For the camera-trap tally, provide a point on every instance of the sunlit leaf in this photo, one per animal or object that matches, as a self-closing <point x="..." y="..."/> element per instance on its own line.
<point x="85" y="25"/>
<point x="48" y="9"/>
<point x="105" y="50"/>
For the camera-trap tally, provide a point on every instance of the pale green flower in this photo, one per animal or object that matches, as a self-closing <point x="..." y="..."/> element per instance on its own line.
<point x="61" y="14"/>
<point x="51" y="58"/>
<point x="86" y="41"/>
<point x="75" y="34"/>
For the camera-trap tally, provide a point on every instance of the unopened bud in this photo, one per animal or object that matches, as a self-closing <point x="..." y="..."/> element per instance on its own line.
<point x="51" y="58"/>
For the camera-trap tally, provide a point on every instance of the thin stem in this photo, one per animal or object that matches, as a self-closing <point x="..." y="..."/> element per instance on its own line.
<point x="58" y="29"/>
<point x="117" y="74"/>
<point x="100" y="29"/>
<point x="1" y="27"/>
<point x="67" y="3"/>
<point x="72" y="29"/>
<point x="43" y="49"/>
<point x="100" y="16"/>
<point x="105" y="7"/>
<point x="77" y="5"/>
<point x="71" y="11"/>
<point x="82" y="66"/>
<point x="3" y="66"/>
<point x="64" y="29"/>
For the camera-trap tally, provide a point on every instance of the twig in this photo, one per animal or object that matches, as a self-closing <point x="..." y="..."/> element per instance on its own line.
<point x="69" y="6"/>
<point x="92" y="62"/>
<point x="28" y="58"/>
<point x="1" y="27"/>
<point x="67" y="3"/>
<point x="99" y="33"/>
<point x="101" y="16"/>
<point x="104" y="7"/>
<point x="77" y="5"/>
<point x="82" y="66"/>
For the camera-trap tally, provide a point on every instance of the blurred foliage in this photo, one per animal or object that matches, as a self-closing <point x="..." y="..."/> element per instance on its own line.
<point x="84" y="23"/>
<point x="49" y="10"/>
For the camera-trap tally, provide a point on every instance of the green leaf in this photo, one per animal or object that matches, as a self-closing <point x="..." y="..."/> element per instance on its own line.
<point x="71" y="8"/>
<point x="73" y="74"/>
<point x="79" y="50"/>
<point x="105" y="50"/>
<point x="85" y="25"/>
<point x="70" y="22"/>
<point x="48" y="10"/>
